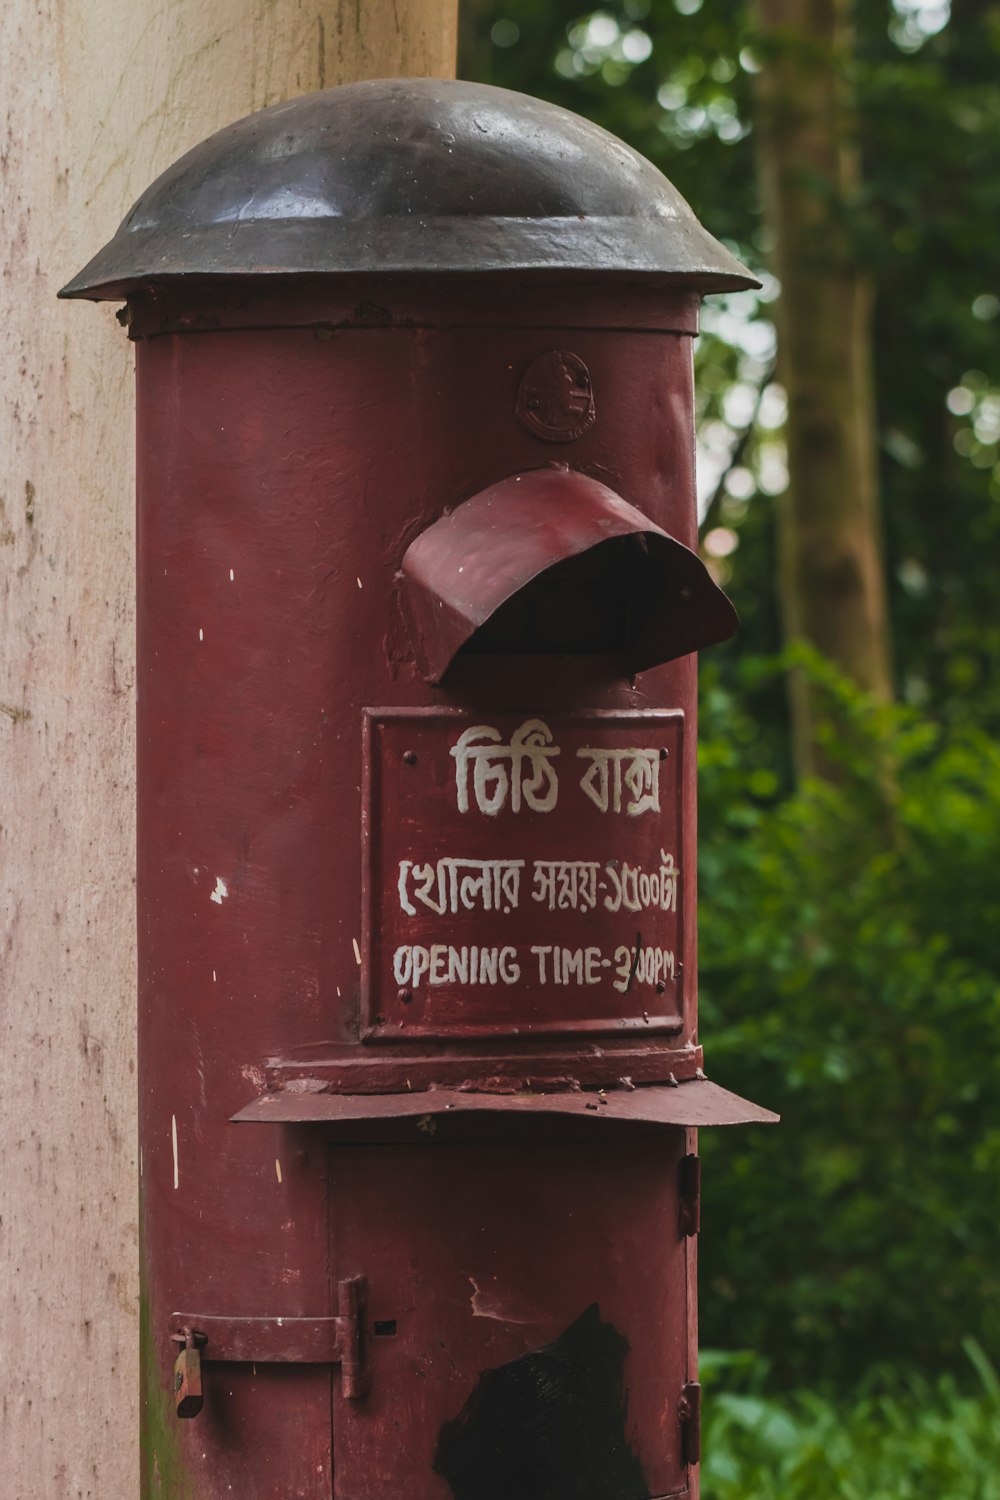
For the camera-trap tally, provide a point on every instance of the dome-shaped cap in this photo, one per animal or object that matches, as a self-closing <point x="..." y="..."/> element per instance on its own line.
<point x="409" y="175"/>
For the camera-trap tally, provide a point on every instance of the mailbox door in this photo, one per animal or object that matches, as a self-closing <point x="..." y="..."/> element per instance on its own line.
<point x="526" y="1321"/>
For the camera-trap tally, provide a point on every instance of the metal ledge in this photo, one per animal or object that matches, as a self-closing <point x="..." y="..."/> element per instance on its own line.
<point x="696" y="1103"/>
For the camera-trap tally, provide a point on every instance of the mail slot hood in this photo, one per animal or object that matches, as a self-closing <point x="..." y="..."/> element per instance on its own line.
<point x="550" y="560"/>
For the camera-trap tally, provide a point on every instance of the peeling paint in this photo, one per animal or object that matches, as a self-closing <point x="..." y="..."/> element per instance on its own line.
<point x="221" y="891"/>
<point x="490" y="1305"/>
<point x="254" y="1076"/>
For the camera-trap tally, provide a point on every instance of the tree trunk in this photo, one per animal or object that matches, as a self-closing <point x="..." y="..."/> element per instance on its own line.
<point x="99" y="97"/>
<point x="832" y="579"/>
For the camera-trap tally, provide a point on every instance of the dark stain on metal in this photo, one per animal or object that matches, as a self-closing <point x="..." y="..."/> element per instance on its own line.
<point x="555" y="400"/>
<point x="635" y="963"/>
<point x="547" y="1426"/>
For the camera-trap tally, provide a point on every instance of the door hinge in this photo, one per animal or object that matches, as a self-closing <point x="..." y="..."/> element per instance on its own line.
<point x="299" y="1341"/>
<point x="690" y="1198"/>
<point x="689" y="1413"/>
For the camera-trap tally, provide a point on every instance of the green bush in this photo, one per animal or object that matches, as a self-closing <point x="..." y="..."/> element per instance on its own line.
<point x="849" y="974"/>
<point x="900" y="1439"/>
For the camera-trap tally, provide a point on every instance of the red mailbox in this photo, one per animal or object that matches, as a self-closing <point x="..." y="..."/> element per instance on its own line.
<point x="417" y="614"/>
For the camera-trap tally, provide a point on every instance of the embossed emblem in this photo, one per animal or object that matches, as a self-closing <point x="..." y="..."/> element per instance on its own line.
<point x="555" y="400"/>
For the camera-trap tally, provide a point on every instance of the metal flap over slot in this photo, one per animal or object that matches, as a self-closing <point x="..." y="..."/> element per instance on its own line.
<point x="552" y="561"/>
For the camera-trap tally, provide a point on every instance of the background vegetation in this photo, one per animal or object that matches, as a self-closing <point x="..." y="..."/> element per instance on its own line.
<point x="850" y="910"/>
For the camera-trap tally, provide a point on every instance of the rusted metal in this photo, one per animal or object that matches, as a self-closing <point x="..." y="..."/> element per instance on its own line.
<point x="691" y="1184"/>
<point x="352" y="1300"/>
<point x="692" y="1104"/>
<point x="689" y="1411"/>
<point x="519" y="1280"/>
<point x="303" y="1341"/>
<point x="338" y="1340"/>
<point x="500" y="1068"/>
<point x="409" y="175"/>
<point x="469" y="564"/>
<point x="189" y="1396"/>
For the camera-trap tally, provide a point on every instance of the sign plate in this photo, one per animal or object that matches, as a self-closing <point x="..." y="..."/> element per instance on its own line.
<point x="523" y="874"/>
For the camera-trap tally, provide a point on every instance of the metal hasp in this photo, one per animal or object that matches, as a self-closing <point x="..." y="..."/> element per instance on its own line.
<point x="418" y="600"/>
<point x="302" y="1341"/>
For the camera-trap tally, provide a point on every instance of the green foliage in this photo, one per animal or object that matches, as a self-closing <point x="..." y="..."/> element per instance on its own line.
<point x="676" y="79"/>
<point x="848" y="943"/>
<point x="902" y="1438"/>
<point x="850" y="980"/>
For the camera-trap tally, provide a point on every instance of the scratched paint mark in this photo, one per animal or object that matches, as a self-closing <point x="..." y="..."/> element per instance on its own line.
<point x="359" y="583"/>
<point x="487" y="1304"/>
<point x="550" y="1423"/>
<point x="232" y="576"/>
<point x="214" y="979"/>
<point x="221" y="891"/>
<point x="173" y="1145"/>
<point x="357" y="952"/>
<point x="277" y="1168"/>
<point x="201" y="635"/>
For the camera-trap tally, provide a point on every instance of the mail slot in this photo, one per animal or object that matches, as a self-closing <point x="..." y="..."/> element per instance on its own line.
<point x="419" y="603"/>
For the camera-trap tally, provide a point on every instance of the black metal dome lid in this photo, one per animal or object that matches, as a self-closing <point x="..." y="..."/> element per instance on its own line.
<point x="403" y="175"/>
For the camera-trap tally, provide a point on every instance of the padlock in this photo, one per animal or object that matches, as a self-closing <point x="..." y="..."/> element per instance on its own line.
<point x="188" y="1395"/>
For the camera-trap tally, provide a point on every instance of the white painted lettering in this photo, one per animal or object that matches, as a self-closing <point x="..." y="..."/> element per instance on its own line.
<point x="572" y="966"/>
<point x="510" y="969"/>
<point x="492" y="782"/>
<point x="541" y="953"/>
<point x="439" y="959"/>
<point x="566" y="884"/>
<point x="612" y="773"/>
<point x="454" y="885"/>
<point x="488" y="964"/>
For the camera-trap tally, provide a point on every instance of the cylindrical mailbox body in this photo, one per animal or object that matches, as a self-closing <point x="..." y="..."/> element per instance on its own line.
<point x="419" y="1063"/>
<point x="283" y="472"/>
